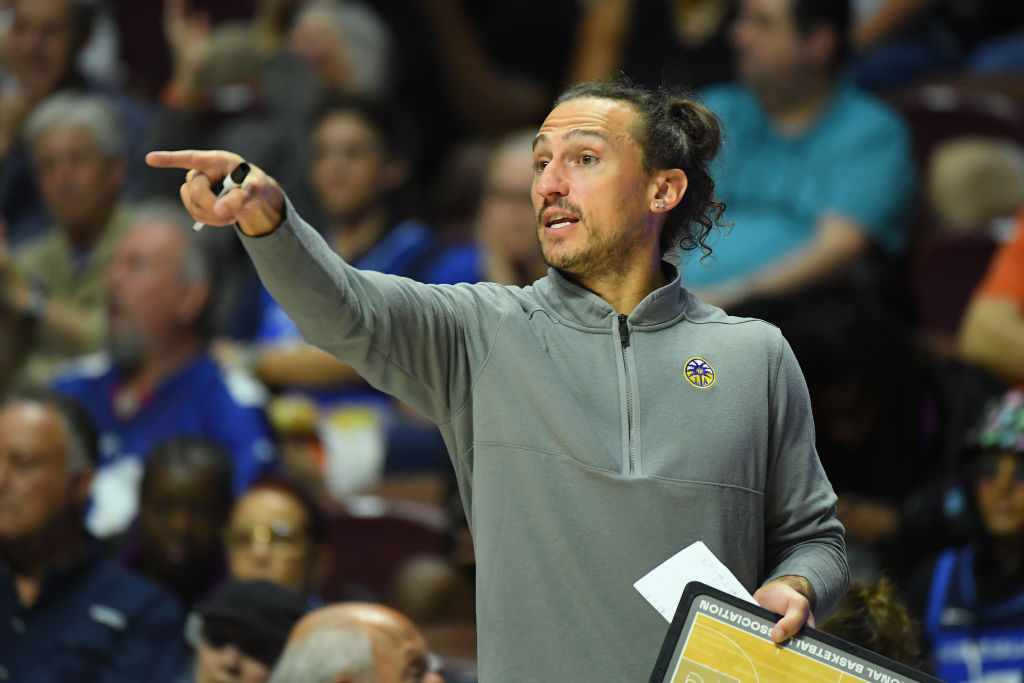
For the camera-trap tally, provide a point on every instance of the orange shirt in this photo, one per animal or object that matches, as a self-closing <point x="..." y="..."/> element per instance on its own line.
<point x="1005" y="276"/>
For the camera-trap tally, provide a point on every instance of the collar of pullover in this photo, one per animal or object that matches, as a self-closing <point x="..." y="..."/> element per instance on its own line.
<point x="580" y="307"/>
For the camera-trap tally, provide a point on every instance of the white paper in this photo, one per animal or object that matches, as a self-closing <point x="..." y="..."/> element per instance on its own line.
<point x="663" y="586"/>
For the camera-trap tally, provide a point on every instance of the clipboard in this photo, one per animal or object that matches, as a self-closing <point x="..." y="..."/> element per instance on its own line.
<point x="718" y="638"/>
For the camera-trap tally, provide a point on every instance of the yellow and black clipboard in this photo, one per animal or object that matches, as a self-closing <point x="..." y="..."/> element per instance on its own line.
<point x="718" y="638"/>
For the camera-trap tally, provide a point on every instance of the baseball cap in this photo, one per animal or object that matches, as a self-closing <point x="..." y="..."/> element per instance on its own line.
<point x="256" y="616"/>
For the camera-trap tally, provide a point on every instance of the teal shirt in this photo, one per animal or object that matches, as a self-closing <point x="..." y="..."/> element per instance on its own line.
<point x="855" y="161"/>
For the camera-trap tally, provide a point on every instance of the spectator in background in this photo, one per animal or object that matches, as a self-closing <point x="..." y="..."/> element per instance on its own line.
<point x="348" y="46"/>
<point x="815" y="174"/>
<point x="66" y="612"/>
<point x="55" y="286"/>
<point x="156" y="379"/>
<point x="509" y="252"/>
<point x="654" y="42"/>
<point x="889" y="420"/>
<point x="495" y="81"/>
<point x="972" y="597"/>
<point x="873" y="616"/>
<point x="361" y="156"/>
<point x="46" y="38"/>
<point x="278" y="532"/>
<point x="992" y="329"/>
<point x="240" y="631"/>
<point x="902" y="41"/>
<point x="184" y="500"/>
<point x="358" y="642"/>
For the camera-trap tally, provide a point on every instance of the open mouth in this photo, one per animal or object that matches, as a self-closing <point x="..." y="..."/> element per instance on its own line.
<point x="558" y="220"/>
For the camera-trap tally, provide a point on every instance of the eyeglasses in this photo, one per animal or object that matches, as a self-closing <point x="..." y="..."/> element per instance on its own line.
<point x="279" y="538"/>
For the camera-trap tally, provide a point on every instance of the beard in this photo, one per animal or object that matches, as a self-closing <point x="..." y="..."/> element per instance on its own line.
<point x="126" y="347"/>
<point x="601" y="254"/>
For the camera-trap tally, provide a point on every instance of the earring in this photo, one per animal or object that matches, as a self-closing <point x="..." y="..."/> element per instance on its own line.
<point x="660" y="205"/>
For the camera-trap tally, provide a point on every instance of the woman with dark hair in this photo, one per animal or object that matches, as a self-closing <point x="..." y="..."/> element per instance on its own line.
<point x="974" y="606"/>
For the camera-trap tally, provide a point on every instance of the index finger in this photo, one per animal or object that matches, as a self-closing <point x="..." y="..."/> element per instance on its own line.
<point x="212" y="163"/>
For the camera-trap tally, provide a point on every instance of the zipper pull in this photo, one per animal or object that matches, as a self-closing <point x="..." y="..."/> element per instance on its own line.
<point x="623" y="331"/>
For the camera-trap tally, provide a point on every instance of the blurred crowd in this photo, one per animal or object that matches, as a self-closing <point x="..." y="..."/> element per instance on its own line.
<point x="188" y="491"/>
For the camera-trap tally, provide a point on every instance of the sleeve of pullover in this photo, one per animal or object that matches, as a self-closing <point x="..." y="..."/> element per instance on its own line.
<point x="417" y="342"/>
<point x="802" y="535"/>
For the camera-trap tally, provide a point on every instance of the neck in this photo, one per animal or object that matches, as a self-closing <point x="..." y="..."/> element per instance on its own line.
<point x="624" y="291"/>
<point x="356" y="233"/>
<point x="85" y="235"/>
<point x="795" y="111"/>
<point x="30" y="559"/>
<point x="162" y="363"/>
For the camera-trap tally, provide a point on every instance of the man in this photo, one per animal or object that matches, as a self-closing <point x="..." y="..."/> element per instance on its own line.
<point x="55" y="285"/>
<point x="355" y="642"/>
<point x="601" y="419"/>
<point x="184" y="500"/>
<point x="66" y="612"/>
<point x="816" y="173"/>
<point x="240" y="631"/>
<point x="45" y="43"/>
<point x="45" y="38"/>
<point x="156" y="380"/>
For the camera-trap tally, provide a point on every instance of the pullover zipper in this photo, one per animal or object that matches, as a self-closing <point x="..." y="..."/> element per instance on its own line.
<point x="624" y="341"/>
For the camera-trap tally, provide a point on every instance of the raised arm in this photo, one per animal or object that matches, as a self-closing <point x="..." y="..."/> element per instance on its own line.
<point x="418" y="342"/>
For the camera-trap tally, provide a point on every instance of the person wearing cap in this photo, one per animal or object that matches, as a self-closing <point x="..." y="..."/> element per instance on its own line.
<point x="67" y="613"/>
<point x="240" y="631"/>
<point x="974" y="606"/>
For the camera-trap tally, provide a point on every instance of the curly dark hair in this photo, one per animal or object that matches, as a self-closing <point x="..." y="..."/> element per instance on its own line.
<point x="674" y="131"/>
<point x="873" y="616"/>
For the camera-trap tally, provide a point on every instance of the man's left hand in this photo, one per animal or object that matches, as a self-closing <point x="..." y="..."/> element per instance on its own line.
<point x="792" y="597"/>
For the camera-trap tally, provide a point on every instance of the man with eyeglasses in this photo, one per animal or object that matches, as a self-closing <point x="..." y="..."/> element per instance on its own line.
<point x="356" y="642"/>
<point x="240" y="632"/>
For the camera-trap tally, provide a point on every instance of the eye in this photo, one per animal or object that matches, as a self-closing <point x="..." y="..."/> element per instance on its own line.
<point x="587" y="160"/>
<point x="540" y="164"/>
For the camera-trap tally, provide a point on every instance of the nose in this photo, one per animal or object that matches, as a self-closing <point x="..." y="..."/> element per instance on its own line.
<point x="550" y="181"/>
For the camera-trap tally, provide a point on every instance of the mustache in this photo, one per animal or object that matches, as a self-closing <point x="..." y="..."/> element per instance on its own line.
<point x="560" y="203"/>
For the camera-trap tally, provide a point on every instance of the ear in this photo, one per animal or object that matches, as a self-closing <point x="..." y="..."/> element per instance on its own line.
<point x="669" y="187"/>
<point x="195" y="296"/>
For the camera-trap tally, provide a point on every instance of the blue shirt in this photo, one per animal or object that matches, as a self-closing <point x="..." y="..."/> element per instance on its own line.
<point x="93" y="621"/>
<point x="201" y="399"/>
<point x="855" y="161"/>
<point x="972" y="640"/>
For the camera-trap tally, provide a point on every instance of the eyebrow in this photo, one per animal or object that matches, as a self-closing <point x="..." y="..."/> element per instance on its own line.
<point x="574" y="133"/>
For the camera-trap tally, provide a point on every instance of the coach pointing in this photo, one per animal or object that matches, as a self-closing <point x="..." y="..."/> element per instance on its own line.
<point x="599" y="420"/>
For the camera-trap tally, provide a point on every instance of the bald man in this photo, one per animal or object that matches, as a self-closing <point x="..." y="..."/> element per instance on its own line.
<point x="355" y="642"/>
